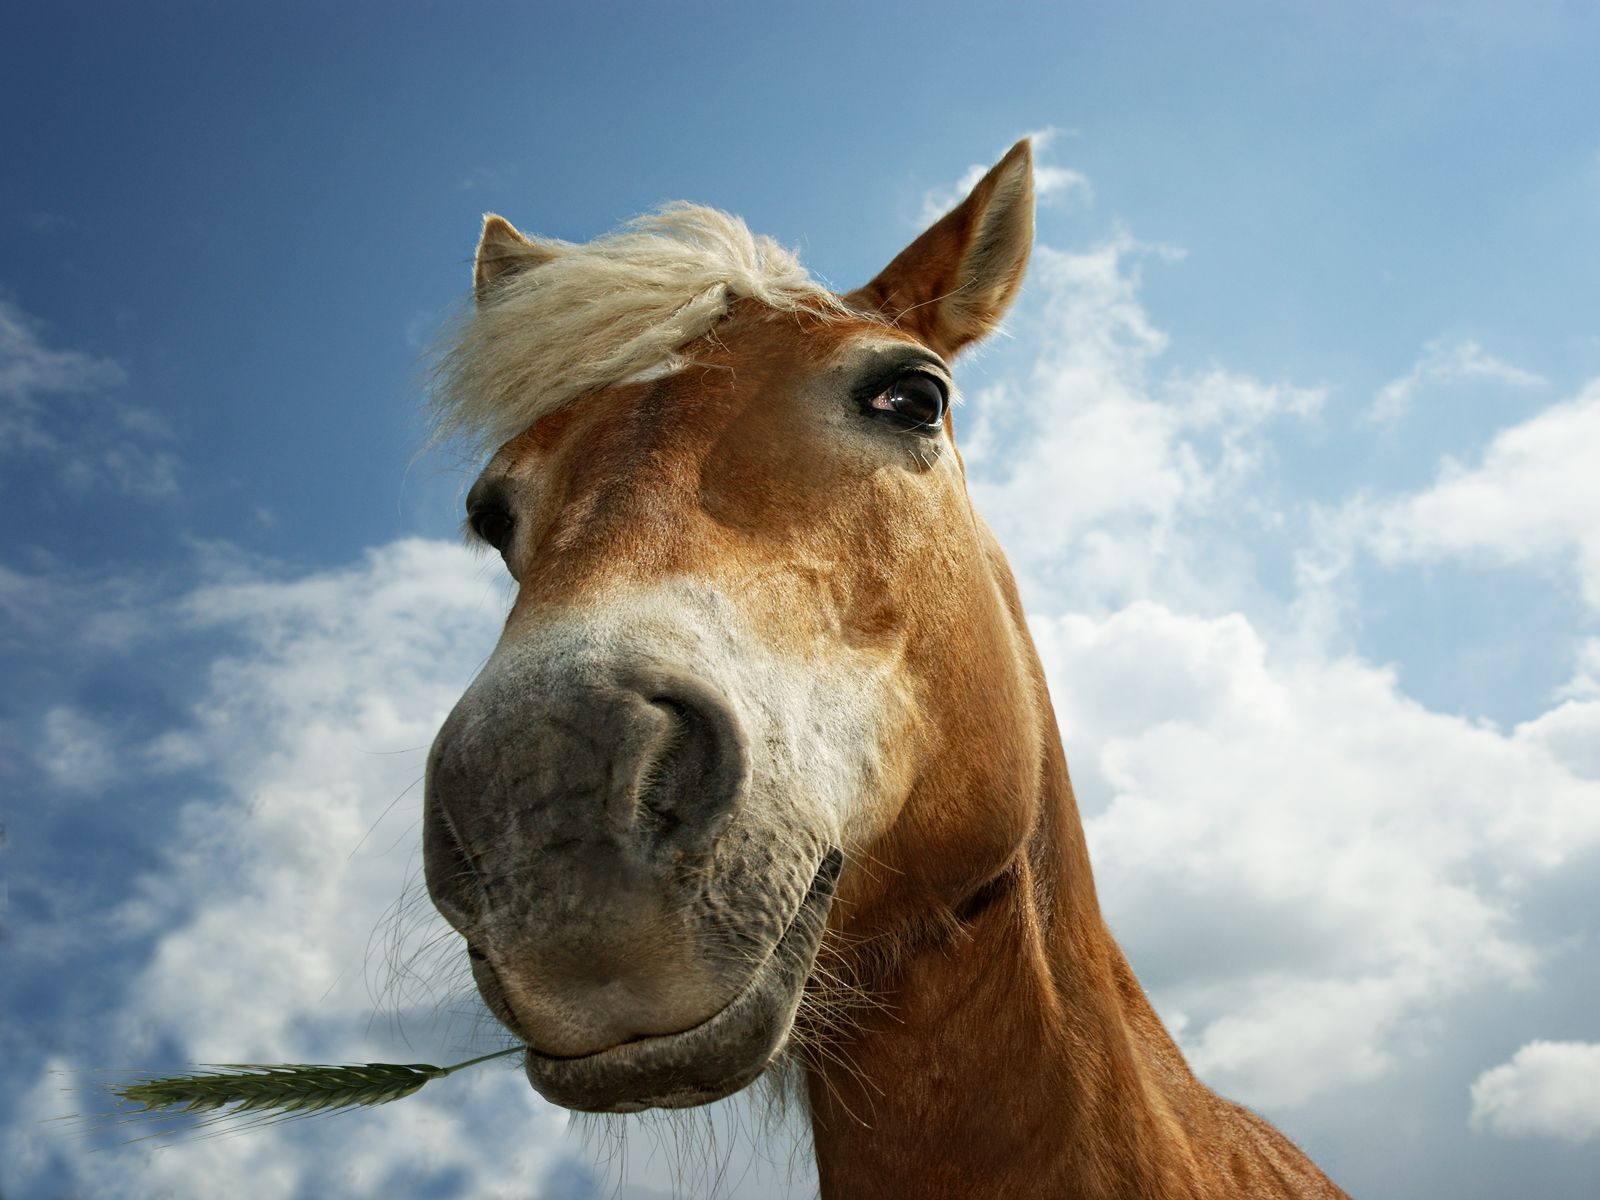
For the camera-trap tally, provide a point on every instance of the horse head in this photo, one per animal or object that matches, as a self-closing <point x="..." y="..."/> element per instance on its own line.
<point x="765" y="681"/>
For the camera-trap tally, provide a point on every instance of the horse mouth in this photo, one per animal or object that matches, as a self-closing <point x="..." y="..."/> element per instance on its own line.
<point x="722" y="1054"/>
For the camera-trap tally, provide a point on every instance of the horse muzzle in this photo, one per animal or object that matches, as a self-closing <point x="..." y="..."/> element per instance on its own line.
<point x="719" y="1056"/>
<point x="586" y="829"/>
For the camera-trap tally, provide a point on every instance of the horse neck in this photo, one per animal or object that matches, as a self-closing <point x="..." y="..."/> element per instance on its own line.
<point x="1014" y="1054"/>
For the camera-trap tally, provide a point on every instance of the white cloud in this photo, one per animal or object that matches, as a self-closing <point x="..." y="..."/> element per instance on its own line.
<point x="1585" y="682"/>
<point x="1051" y="183"/>
<point x="1304" y="864"/>
<point x="73" y="612"/>
<point x="319" y="725"/>
<point x="1534" y="496"/>
<point x="1093" y="466"/>
<point x="1548" y="1089"/>
<point x="28" y="368"/>
<point x="77" y="753"/>
<point x="53" y="406"/>
<point x="1570" y="732"/>
<point x="1444" y="362"/>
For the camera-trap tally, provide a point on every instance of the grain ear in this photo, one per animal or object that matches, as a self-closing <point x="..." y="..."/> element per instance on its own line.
<point x="502" y="252"/>
<point x="954" y="283"/>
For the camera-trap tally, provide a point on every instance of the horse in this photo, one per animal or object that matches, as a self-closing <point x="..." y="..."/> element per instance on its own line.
<point x="763" y="769"/>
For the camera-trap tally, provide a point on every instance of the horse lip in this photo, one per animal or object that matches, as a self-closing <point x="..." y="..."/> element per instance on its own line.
<point x="571" y="1081"/>
<point x="644" y="1040"/>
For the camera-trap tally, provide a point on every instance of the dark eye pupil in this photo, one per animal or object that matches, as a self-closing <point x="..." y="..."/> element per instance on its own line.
<point x="917" y="398"/>
<point x="493" y="525"/>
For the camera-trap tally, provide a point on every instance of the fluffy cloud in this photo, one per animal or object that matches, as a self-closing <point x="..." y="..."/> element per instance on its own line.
<point x="1548" y="1089"/>
<point x="1445" y="362"/>
<point x="52" y="608"/>
<point x="1051" y="183"/>
<point x="1307" y="867"/>
<point x="1533" y="497"/>
<point x="1106" y="478"/>
<point x="51" y="410"/>
<point x="1570" y="731"/>
<point x="76" y="753"/>
<point x="319" y="727"/>
<point x="29" y="369"/>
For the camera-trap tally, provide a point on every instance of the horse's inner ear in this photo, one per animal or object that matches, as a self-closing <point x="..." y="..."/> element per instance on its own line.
<point x="502" y="252"/>
<point x="954" y="283"/>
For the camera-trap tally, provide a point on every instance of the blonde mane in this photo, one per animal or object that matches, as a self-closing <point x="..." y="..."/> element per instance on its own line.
<point x="605" y="311"/>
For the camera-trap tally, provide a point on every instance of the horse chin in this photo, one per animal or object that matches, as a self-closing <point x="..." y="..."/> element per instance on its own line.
<point x="724" y="1053"/>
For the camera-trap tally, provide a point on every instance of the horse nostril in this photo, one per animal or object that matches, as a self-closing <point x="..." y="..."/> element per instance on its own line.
<point x="696" y="782"/>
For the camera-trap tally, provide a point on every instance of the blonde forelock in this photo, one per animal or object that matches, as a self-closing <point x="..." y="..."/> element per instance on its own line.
<point x="604" y="311"/>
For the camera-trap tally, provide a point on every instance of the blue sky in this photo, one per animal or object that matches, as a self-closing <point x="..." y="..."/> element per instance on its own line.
<point x="1291" y="441"/>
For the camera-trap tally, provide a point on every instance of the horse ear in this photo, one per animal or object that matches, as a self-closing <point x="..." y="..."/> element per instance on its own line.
<point x="502" y="252"/>
<point x="954" y="283"/>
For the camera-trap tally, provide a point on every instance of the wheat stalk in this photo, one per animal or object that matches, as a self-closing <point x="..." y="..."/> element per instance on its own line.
<point x="290" y="1088"/>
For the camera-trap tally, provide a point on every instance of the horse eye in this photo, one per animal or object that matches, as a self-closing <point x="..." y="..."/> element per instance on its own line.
<point x="493" y="525"/>
<point x="919" y="400"/>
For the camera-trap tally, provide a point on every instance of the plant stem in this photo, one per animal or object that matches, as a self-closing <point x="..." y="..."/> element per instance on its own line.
<point x="472" y="1062"/>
